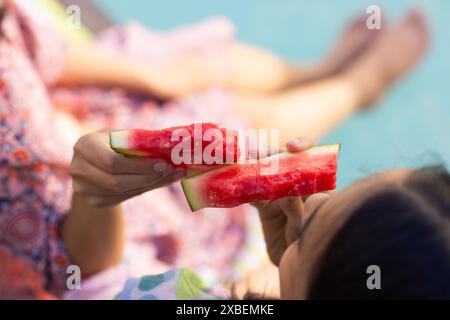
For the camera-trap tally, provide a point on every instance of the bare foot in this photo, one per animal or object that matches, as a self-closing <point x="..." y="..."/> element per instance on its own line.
<point x="355" y="40"/>
<point x="391" y="58"/>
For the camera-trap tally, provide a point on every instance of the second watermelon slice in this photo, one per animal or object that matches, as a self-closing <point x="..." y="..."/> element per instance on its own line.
<point x="281" y="175"/>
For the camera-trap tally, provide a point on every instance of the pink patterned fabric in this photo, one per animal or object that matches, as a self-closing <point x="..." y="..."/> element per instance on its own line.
<point x="35" y="153"/>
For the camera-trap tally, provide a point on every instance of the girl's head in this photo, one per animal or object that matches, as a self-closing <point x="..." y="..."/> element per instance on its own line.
<point x="397" y="221"/>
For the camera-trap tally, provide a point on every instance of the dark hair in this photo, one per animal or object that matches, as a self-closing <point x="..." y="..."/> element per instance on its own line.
<point x="405" y="231"/>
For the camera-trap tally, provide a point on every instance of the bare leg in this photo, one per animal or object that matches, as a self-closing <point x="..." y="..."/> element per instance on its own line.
<point x="315" y="109"/>
<point x="258" y="71"/>
<point x="252" y="69"/>
<point x="396" y="53"/>
<point x="310" y="111"/>
<point x="355" y="41"/>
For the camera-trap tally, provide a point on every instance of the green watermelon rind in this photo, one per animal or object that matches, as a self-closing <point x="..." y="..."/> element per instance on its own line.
<point x="117" y="142"/>
<point x="193" y="196"/>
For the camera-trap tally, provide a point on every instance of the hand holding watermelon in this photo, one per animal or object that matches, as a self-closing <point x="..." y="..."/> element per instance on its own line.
<point x="284" y="220"/>
<point x="105" y="178"/>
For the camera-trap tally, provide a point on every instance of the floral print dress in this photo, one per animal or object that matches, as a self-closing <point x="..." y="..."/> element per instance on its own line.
<point x="35" y="152"/>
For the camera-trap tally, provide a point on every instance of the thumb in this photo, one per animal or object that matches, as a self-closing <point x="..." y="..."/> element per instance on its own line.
<point x="298" y="144"/>
<point x="293" y="208"/>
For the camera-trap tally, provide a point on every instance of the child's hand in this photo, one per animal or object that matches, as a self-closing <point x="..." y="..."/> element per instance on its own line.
<point x="282" y="219"/>
<point x="105" y="178"/>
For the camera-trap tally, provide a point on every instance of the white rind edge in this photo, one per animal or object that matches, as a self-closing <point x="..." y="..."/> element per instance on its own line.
<point x="324" y="149"/>
<point x="119" y="139"/>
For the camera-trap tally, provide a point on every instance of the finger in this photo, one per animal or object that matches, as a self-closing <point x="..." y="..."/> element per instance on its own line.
<point x="306" y="197"/>
<point x="298" y="144"/>
<point x="260" y="205"/>
<point x="99" y="197"/>
<point x="119" y="164"/>
<point x="269" y="212"/>
<point x="293" y="209"/>
<point x="120" y="183"/>
<point x="177" y="175"/>
<point x="84" y="186"/>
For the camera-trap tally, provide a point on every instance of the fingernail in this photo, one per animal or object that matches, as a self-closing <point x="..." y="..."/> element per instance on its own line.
<point x="179" y="174"/>
<point x="161" y="166"/>
<point x="299" y="143"/>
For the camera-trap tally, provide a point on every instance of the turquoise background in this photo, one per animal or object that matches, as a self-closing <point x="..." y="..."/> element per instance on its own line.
<point x="411" y="125"/>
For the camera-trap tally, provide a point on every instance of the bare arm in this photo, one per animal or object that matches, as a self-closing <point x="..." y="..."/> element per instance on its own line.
<point x="93" y="236"/>
<point x="88" y="65"/>
<point x="252" y="70"/>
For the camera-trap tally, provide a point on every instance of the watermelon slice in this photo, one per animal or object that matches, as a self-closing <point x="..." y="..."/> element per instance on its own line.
<point x="206" y="145"/>
<point x="281" y="175"/>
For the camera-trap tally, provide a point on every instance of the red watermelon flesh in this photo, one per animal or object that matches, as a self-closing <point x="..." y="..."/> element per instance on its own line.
<point x="302" y="173"/>
<point x="158" y="144"/>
